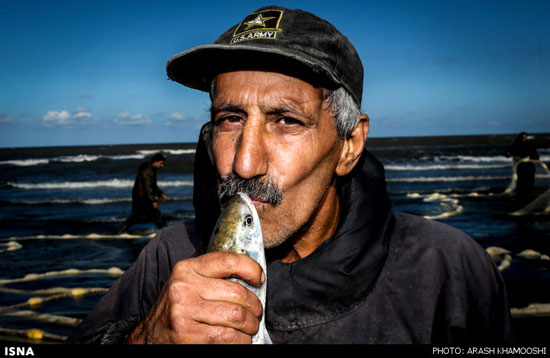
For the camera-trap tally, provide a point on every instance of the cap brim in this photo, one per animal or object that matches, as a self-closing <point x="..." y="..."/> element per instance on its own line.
<point x="197" y="67"/>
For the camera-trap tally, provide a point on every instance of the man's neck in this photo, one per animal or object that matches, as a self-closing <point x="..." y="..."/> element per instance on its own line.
<point x="319" y="228"/>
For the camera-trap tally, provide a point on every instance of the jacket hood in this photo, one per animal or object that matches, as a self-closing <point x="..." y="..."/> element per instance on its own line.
<point x="205" y="194"/>
<point x="341" y="271"/>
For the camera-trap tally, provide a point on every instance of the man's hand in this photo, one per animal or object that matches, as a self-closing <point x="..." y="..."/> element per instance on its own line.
<point x="163" y="197"/>
<point x="155" y="205"/>
<point x="197" y="305"/>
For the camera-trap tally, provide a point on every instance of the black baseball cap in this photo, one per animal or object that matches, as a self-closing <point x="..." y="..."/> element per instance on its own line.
<point x="274" y="38"/>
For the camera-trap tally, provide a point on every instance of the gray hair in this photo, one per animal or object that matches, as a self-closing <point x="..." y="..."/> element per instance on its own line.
<point x="345" y="111"/>
<point x="340" y="103"/>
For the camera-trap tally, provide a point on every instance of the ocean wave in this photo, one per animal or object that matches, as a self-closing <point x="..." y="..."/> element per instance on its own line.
<point x="446" y="179"/>
<point x="409" y="167"/>
<point x="25" y="162"/>
<point x="110" y="183"/>
<point x="125" y="156"/>
<point x="458" y="192"/>
<point x="92" y="236"/>
<point x="147" y="152"/>
<point x="476" y="159"/>
<point x="80" y="158"/>
<point x="482" y="159"/>
<point x="84" y="201"/>
<point x="113" y="183"/>
<point x="42" y="161"/>
<point x="99" y="201"/>
<point x="77" y="158"/>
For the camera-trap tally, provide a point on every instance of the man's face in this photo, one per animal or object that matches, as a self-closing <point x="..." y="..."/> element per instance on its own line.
<point x="159" y="164"/>
<point x="271" y="126"/>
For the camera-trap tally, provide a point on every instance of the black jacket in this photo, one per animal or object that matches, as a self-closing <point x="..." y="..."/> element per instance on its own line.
<point x="145" y="190"/>
<point x="383" y="277"/>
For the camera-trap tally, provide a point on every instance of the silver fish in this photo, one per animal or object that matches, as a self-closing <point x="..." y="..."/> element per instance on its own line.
<point x="238" y="230"/>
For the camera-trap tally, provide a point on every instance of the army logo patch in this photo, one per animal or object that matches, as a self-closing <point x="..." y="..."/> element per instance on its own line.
<point x="258" y="25"/>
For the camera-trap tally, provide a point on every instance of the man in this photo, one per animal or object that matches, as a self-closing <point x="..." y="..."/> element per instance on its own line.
<point x="286" y="128"/>
<point x="525" y="156"/>
<point x="146" y="193"/>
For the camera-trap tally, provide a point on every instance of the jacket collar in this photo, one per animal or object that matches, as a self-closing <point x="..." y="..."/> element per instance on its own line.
<point x="341" y="272"/>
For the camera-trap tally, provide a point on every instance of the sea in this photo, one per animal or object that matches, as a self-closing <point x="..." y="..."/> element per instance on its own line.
<point x="61" y="209"/>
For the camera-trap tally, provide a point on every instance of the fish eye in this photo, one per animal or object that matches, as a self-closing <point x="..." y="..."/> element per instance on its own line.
<point x="247" y="221"/>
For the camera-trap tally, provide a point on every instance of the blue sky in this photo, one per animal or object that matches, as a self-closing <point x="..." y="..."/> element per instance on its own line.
<point x="93" y="72"/>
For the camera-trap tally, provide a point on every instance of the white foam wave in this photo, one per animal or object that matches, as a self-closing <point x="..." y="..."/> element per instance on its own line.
<point x="457" y="178"/>
<point x="113" y="183"/>
<point x="477" y="159"/>
<point x="175" y="183"/>
<point x="97" y="201"/>
<point x="80" y="158"/>
<point x="92" y="236"/>
<point x="125" y="156"/>
<point x="409" y="167"/>
<point x="88" y="201"/>
<point x="41" y="161"/>
<point x="147" y="152"/>
<point x="483" y="159"/>
<point x="110" y="183"/>
<point x="77" y="158"/>
<point x="25" y="162"/>
<point x="446" y="179"/>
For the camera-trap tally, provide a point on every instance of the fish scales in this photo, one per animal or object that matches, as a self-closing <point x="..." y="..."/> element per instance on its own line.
<point x="238" y="230"/>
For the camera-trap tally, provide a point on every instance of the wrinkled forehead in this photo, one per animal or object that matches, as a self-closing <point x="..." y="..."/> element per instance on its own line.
<point x="266" y="92"/>
<point x="250" y="80"/>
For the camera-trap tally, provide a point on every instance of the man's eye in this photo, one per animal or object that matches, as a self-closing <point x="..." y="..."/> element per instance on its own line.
<point x="288" y="121"/>
<point x="228" y="121"/>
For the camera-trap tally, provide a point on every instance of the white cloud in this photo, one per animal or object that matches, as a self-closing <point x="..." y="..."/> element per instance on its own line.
<point x="177" y="116"/>
<point x="177" y="120"/>
<point x="66" y="118"/>
<point x="82" y="113"/>
<point x="128" y="119"/>
<point x="56" y="118"/>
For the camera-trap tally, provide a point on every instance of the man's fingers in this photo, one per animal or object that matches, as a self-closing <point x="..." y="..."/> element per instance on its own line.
<point x="226" y="264"/>
<point x="210" y="284"/>
<point x="205" y="334"/>
<point x="234" y="292"/>
<point x="224" y="314"/>
<point x="198" y="304"/>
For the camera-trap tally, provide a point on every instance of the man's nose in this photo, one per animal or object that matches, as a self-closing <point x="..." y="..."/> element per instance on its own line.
<point x="250" y="158"/>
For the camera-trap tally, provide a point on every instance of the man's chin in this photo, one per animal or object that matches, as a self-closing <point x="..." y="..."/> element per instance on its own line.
<point x="274" y="241"/>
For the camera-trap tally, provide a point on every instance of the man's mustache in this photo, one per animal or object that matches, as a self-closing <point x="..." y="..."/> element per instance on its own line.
<point x="262" y="189"/>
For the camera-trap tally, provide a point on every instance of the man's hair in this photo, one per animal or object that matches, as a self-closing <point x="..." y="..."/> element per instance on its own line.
<point x="158" y="157"/>
<point x="340" y="103"/>
<point x="345" y="111"/>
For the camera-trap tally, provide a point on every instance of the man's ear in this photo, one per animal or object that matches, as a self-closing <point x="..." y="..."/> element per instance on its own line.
<point x="353" y="147"/>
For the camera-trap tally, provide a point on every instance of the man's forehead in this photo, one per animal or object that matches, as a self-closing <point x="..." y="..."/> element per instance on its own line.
<point x="267" y="90"/>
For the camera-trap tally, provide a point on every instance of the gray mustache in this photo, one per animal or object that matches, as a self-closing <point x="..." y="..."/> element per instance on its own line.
<point x="264" y="189"/>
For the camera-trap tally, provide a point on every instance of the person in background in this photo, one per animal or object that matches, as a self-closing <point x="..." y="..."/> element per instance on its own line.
<point x="525" y="156"/>
<point x="146" y="194"/>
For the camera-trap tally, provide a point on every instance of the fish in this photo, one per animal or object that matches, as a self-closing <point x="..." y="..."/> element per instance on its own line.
<point x="238" y="230"/>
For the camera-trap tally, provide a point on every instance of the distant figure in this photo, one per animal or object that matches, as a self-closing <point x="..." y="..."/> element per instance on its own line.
<point x="524" y="153"/>
<point x="146" y="193"/>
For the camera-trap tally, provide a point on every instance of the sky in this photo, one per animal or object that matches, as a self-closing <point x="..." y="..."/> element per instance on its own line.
<point x="94" y="72"/>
